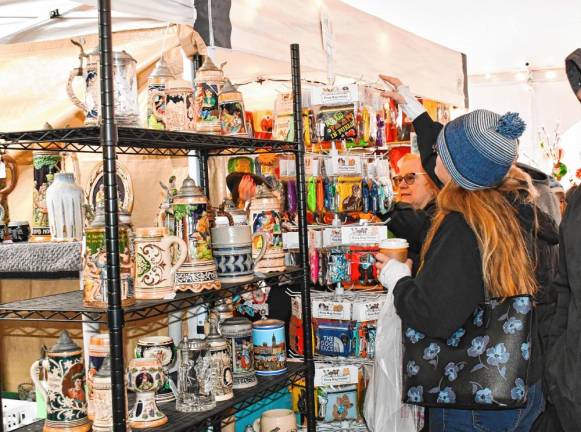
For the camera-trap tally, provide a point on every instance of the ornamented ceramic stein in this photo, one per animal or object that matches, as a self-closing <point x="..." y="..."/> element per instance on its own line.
<point x="221" y="362"/>
<point x="179" y="106"/>
<point x="269" y="347"/>
<point x="64" y="201"/>
<point x="163" y="349"/>
<point x="209" y="81"/>
<point x="66" y="400"/>
<point x="95" y="264"/>
<point x="192" y="219"/>
<point x="232" y="246"/>
<point x="124" y="81"/>
<point x="238" y="333"/>
<point x="155" y="272"/>
<point x="195" y="391"/>
<point x="280" y="420"/>
<point x="103" y="418"/>
<point x="145" y="376"/>
<point x="156" y="85"/>
<point x="265" y="218"/>
<point x="98" y="351"/>
<point x="45" y="165"/>
<point x="232" y="114"/>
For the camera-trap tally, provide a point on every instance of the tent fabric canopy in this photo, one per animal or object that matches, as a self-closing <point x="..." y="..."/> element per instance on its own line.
<point x="260" y="35"/>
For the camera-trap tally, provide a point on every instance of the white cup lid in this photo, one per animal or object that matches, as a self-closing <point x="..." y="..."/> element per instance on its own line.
<point x="394" y="243"/>
<point x="221" y="220"/>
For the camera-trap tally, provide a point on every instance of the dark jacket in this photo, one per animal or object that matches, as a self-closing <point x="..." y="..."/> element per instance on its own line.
<point x="546" y="201"/>
<point x="563" y="361"/>
<point x="450" y="286"/>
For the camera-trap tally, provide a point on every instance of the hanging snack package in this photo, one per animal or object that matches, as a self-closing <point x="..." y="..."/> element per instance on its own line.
<point x="283" y="118"/>
<point x="363" y="270"/>
<point x="338" y="391"/>
<point x="349" y="194"/>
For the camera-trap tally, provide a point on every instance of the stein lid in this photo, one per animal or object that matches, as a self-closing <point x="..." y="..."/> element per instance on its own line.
<point x="193" y="344"/>
<point x="190" y="193"/>
<point x="162" y="70"/>
<point x="229" y="87"/>
<point x="64" y="344"/>
<point x="265" y="197"/>
<point x="122" y="57"/>
<point x="105" y="371"/>
<point x="237" y="321"/>
<point x="208" y="65"/>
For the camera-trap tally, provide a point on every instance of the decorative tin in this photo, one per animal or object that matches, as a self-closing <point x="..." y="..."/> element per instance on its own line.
<point x="269" y="347"/>
<point x="232" y="114"/>
<point x="45" y="165"/>
<point x="190" y="208"/>
<point x="163" y="349"/>
<point x="144" y="377"/>
<point x="179" y="106"/>
<point x="103" y="419"/>
<point x="265" y="218"/>
<point x="209" y="81"/>
<point x="238" y="332"/>
<point x="195" y="378"/>
<point x="221" y="362"/>
<point x="154" y="264"/>
<point x="65" y="395"/>
<point x="125" y="84"/>
<point x="98" y="351"/>
<point x="156" y="84"/>
<point x="95" y="264"/>
<point x="19" y="231"/>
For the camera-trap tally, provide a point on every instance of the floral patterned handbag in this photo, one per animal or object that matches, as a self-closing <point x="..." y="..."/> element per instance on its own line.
<point x="483" y="365"/>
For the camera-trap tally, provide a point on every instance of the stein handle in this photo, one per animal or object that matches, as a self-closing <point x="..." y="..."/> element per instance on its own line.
<point x="71" y="93"/>
<point x="11" y="168"/>
<point x="34" y="371"/>
<point x="262" y="250"/>
<point x="183" y="248"/>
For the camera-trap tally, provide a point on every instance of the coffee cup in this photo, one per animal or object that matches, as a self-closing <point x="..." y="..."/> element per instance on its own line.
<point x="396" y="248"/>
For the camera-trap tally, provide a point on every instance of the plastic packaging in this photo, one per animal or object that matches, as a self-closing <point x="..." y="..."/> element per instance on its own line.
<point x="383" y="409"/>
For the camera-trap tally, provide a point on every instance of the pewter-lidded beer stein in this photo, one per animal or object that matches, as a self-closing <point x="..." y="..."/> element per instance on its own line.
<point x="124" y="85"/>
<point x="195" y="390"/>
<point x="238" y="332"/>
<point x="156" y="85"/>
<point x="221" y="362"/>
<point x="208" y="84"/>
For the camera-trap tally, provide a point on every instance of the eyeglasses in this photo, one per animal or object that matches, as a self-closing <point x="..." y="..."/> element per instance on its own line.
<point x="409" y="178"/>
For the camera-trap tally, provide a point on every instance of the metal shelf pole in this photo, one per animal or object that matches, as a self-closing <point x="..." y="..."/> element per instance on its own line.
<point x="109" y="142"/>
<point x="303" y="234"/>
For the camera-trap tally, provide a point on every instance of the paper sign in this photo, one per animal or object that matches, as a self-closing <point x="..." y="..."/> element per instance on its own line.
<point x="332" y="237"/>
<point x="330" y="96"/>
<point x="327" y="309"/>
<point x="368" y="310"/>
<point x="363" y="234"/>
<point x="346" y="165"/>
<point x="336" y="375"/>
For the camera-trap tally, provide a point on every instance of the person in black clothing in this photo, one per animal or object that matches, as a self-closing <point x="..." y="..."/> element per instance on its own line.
<point x="477" y="241"/>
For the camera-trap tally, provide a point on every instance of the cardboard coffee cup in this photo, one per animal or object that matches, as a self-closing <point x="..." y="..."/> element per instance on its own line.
<point x="396" y="248"/>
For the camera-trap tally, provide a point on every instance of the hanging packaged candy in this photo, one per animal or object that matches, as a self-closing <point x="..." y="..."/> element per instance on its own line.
<point x="283" y="118"/>
<point x="363" y="271"/>
<point x="262" y="124"/>
<point x="349" y="194"/>
<point x="336" y="123"/>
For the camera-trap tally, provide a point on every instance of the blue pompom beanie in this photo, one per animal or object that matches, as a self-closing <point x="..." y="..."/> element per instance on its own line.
<point x="479" y="148"/>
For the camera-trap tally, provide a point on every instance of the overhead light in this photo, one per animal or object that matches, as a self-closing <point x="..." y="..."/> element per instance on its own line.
<point x="520" y="76"/>
<point x="488" y="75"/>
<point x="550" y="75"/>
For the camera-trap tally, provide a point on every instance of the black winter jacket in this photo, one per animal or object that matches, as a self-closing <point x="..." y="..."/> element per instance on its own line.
<point x="563" y="361"/>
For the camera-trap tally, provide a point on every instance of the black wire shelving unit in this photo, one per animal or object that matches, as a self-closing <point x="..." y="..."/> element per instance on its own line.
<point x="110" y="140"/>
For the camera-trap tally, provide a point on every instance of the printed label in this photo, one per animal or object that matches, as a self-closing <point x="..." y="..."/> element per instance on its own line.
<point x="338" y="375"/>
<point x="331" y="310"/>
<point x="340" y="95"/>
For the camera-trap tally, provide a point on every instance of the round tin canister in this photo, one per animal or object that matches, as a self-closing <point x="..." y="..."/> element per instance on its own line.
<point x="269" y="347"/>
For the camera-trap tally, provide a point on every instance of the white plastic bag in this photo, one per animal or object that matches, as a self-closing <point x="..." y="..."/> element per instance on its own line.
<point x="383" y="410"/>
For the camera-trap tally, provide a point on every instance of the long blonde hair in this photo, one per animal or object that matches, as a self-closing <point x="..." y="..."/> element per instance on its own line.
<point x="507" y="267"/>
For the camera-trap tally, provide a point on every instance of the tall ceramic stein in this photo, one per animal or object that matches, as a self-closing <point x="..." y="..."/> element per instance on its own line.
<point x="179" y="106"/>
<point x="125" y="85"/>
<point x="45" y="165"/>
<point x="156" y="86"/>
<point x="103" y="399"/>
<point x="208" y="84"/>
<point x="221" y="362"/>
<point x="232" y="247"/>
<point x="232" y="114"/>
<point x="238" y="333"/>
<point x="144" y="377"/>
<point x="98" y="351"/>
<point x="192" y="219"/>
<point x="95" y="264"/>
<point x="155" y="271"/>
<point x="65" y="396"/>
<point x="265" y="218"/>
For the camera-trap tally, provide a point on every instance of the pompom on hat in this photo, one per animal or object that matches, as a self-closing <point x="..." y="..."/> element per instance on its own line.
<point x="479" y="148"/>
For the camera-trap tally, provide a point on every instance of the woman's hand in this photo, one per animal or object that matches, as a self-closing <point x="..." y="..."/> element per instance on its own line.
<point x="381" y="261"/>
<point x="403" y="96"/>
<point x="390" y="270"/>
<point x="395" y="83"/>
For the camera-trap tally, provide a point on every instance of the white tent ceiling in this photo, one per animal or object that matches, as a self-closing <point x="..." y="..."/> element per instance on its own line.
<point x="496" y="35"/>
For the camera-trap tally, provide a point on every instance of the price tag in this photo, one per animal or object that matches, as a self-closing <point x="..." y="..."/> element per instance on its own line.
<point x="337" y="375"/>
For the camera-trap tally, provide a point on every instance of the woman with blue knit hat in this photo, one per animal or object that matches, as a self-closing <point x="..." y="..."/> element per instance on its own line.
<point x="478" y="243"/>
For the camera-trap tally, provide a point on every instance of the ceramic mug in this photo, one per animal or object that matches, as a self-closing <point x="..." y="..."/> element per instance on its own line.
<point x="232" y="247"/>
<point x="279" y="420"/>
<point x="155" y="271"/>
